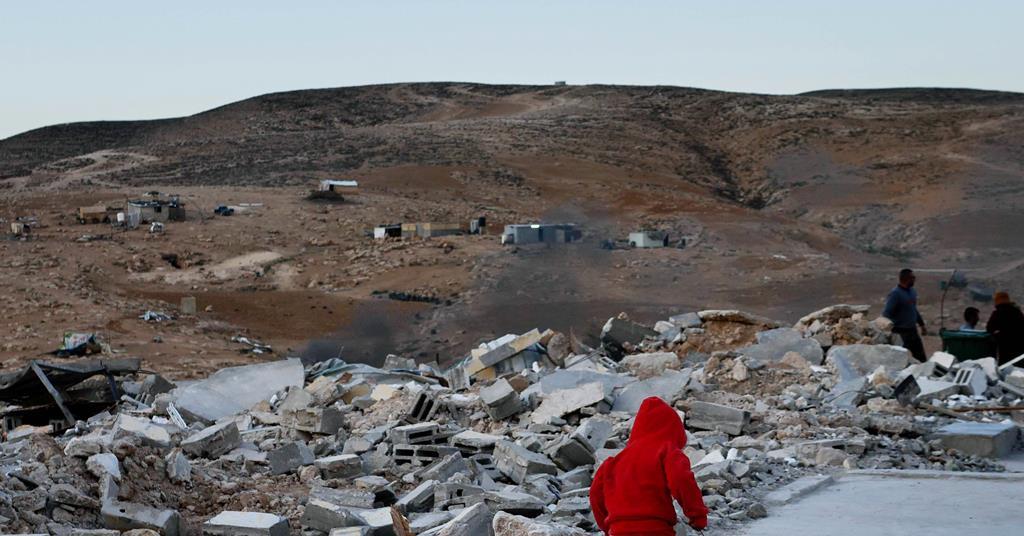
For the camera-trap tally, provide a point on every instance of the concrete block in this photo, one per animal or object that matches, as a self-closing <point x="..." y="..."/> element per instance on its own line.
<point x="325" y="421"/>
<point x="456" y="495"/>
<point x="501" y="400"/>
<point x="972" y="381"/>
<point x="213" y="441"/>
<point x="992" y="440"/>
<point x="151" y="434"/>
<point x="289" y="458"/>
<point x="423" y="408"/>
<point x="423" y="433"/>
<point x="570" y="452"/>
<point x="445" y="468"/>
<point x="419" y="499"/>
<point x="324" y="516"/>
<point x="516" y="462"/>
<point x="708" y="416"/>
<point x="472" y="442"/>
<point x="127" y="516"/>
<point x="943" y="360"/>
<point x="420" y="455"/>
<point x="340" y="466"/>
<point x="231" y="523"/>
<point x="935" y="389"/>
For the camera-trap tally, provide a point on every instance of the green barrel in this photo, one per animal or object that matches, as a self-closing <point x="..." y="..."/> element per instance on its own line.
<point x="968" y="344"/>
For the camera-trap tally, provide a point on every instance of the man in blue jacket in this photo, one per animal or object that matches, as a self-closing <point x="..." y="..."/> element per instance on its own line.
<point x="901" y="308"/>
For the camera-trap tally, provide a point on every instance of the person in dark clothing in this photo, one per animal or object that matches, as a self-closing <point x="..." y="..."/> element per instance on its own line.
<point x="1006" y="324"/>
<point x="901" y="308"/>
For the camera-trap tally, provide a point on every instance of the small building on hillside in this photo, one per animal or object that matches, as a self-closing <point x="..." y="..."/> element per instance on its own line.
<point x="94" y="214"/>
<point x="536" y="233"/>
<point x="431" y="229"/>
<point x="648" y="239"/>
<point x="340" y="187"/>
<point x="390" y="230"/>
<point x="158" y="210"/>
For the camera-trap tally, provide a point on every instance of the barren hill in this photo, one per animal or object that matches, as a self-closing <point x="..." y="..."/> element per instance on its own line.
<point x="786" y="202"/>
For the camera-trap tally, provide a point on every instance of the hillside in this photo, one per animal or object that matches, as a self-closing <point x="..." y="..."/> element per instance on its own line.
<point x="786" y="203"/>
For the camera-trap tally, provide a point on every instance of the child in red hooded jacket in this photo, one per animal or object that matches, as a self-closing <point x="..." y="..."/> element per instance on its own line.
<point x="632" y="492"/>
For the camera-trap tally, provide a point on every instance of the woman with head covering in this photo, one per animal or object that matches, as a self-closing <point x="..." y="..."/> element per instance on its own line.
<point x="1007" y="325"/>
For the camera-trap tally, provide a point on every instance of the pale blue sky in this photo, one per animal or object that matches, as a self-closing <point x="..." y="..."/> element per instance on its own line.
<point x="64" y="61"/>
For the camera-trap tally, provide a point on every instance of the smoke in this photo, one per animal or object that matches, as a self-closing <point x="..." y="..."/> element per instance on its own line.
<point x="367" y="338"/>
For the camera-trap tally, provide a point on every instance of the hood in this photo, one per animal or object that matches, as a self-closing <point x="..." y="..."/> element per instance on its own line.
<point x="657" y="422"/>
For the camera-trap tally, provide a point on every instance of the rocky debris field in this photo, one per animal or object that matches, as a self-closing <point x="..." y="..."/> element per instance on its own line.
<point x="503" y="442"/>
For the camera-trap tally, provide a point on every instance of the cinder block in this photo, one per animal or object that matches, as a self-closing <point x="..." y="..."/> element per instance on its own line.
<point x="231" y="523"/>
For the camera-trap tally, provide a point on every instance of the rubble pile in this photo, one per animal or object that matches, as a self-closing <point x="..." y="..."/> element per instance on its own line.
<point x="504" y="441"/>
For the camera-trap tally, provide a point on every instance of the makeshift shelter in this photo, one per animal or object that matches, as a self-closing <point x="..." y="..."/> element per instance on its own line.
<point x="52" y="393"/>
<point x="536" y="233"/>
<point x="648" y="239"/>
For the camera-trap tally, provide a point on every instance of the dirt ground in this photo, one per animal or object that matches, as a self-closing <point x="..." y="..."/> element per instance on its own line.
<point x="785" y="205"/>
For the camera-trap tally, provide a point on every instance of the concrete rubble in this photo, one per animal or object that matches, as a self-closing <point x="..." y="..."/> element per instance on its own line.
<point x="506" y="440"/>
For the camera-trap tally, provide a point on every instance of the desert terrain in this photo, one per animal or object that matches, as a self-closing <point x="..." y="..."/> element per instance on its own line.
<point x="786" y="204"/>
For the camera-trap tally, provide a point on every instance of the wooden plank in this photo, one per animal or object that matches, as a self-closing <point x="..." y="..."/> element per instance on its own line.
<point x="54" y="393"/>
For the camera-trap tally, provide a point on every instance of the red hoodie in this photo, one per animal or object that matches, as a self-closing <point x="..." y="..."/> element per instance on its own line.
<point x="632" y="492"/>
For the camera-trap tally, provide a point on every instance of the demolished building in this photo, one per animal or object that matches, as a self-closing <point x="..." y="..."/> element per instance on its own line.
<point x="507" y="439"/>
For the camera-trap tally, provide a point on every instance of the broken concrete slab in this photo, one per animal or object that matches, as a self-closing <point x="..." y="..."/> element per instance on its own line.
<point x="669" y="387"/>
<point x="774" y="344"/>
<point x="213" y="441"/>
<point x="289" y="457"/>
<point x="797" y="489"/>
<point x="128" y="516"/>
<point x="708" y="416"/>
<point x="686" y="320"/>
<point x="567" y="401"/>
<point x="618" y="332"/>
<point x="104" y="464"/>
<point x="991" y="440"/>
<point x="516" y="462"/>
<point x="233" y="390"/>
<point x="340" y="466"/>
<point x="932" y="389"/>
<point x="652" y="364"/>
<point x="232" y="523"/>
<point x="149" y="433"/>
<point x="472" y="521"/>
<point x="855" y="360"/>
<point x="179" y="470"/>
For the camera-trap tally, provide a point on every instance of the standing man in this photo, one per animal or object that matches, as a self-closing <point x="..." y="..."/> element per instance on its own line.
<point x="901" y="308"/>
<point x="1006" y="324"/>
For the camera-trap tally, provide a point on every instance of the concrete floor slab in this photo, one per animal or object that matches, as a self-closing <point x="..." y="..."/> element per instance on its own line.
<point x="891" y="503"/>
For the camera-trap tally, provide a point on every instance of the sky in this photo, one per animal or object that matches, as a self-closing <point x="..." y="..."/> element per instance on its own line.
<point x="65" y="61"/>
